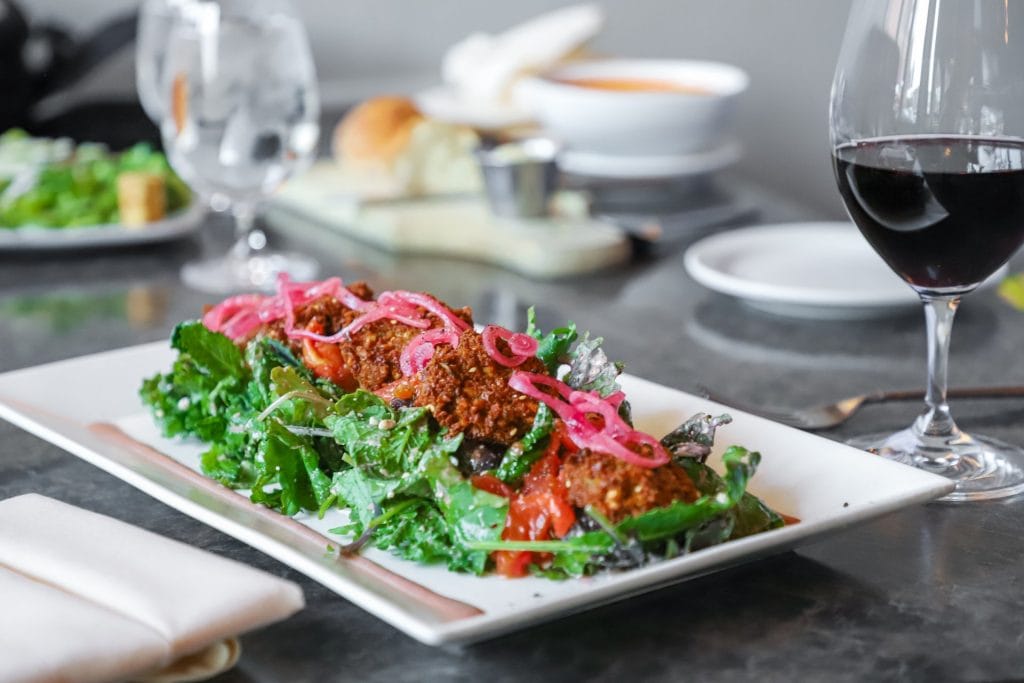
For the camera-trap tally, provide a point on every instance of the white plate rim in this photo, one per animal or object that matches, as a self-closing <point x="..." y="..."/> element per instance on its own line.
<point x="696" y="261"/>
<point x="66" y="431"/>
<point x="627" y="167"/>
<point x="179" y="224"/>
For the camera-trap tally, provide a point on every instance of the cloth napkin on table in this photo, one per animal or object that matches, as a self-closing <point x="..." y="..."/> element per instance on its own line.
<point x="89" y="598"/>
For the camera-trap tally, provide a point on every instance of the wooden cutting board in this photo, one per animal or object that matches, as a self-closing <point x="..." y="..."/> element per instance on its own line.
<point x="460" y="226"/>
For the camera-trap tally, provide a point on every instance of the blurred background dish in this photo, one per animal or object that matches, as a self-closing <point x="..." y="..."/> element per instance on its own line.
<point x="179" y="225"/>
<point x="55" y="194"/>
<point x="649" y="167"/>
<point x="386" y="147"/>
<point x="803" y="270"/>
<point x="637" y="107"/>
<point x="19" y="151"/>
<point x="482" y="73"/>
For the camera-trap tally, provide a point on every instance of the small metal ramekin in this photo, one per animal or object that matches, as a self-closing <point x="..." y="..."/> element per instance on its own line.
<point x="520" y="177"/>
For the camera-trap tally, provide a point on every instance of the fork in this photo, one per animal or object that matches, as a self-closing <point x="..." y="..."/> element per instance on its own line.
<point x="834" y="414"/>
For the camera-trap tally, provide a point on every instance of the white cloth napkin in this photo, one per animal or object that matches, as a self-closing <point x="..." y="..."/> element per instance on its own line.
<point x="88" y="598"/>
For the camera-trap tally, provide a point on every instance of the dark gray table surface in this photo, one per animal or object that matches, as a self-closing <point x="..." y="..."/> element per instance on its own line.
<point x="931" y="593"/>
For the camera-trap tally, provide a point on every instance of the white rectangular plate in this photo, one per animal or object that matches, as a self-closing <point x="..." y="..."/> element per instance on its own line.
<point x="827" y="485"/>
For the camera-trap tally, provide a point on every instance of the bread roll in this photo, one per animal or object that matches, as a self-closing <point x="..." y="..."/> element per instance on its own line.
<point x="376" y="130"/>
<point x="387" y="148"/>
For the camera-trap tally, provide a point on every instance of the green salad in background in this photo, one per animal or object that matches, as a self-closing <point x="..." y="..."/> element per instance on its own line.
<point x="74" y="185"/>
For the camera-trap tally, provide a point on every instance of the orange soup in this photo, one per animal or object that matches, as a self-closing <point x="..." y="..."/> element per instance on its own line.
<point x="635" y="85"/>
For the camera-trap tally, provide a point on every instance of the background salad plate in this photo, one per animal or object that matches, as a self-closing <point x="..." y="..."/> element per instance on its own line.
<point x="827" y="485"/>
<point x="177" y="225"/>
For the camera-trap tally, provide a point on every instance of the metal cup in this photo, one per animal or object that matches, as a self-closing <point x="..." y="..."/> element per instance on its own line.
<point x="520" y="177"/>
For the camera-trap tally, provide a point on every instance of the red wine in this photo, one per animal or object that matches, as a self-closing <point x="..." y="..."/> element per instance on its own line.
<point x="944" y="212"/>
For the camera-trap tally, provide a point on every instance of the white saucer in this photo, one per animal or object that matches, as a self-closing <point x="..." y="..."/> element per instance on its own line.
<point x="597" y="165"/>
<point x="803" y="270"/>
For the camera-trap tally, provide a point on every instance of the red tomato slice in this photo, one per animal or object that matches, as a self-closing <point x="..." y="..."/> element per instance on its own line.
<point x="324" y="360"/>
<point x="491" y="484"/>
<point x="539" y="511"/>
<point x="512" y="564"/>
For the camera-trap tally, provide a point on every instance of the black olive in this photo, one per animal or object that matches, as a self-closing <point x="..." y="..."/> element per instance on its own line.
<point x="476" y="457"/>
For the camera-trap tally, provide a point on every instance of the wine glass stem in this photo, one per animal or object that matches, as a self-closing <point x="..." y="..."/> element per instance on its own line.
<point x="936" y="423"/>
<point x="248" y="239"/>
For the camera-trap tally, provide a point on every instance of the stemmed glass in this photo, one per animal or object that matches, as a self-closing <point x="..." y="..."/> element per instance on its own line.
<point x="155" y="20"/>
<point x="241" y="115"/>
<point x="927" y="129"/>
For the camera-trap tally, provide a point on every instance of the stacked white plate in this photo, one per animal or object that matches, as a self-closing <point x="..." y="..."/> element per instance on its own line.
<point x="804" y="270"/>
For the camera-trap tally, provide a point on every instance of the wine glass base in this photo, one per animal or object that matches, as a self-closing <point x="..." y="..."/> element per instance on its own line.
<point x="982" y="467"/>
<point x="224" y="275"/>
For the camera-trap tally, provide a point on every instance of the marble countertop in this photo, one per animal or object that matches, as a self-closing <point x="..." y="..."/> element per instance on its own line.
<point x="931" y="593"/>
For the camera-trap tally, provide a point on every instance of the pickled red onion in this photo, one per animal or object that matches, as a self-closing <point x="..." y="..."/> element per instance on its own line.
<point x="523" y="346"/>
<point x="238" y="317"/>
<point x="418" y="352"/>
<point x="592" y="403"/>
<point x="310" y="291"/>
<point x="450" y="320"/>
<point x="525" y="383"/>
<point x="614" y="437"/>
<point x="400" y="306"/>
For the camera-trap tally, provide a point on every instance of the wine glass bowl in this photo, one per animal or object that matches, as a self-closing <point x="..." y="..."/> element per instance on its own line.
<point x="927" y="131"/>
<point x="241" y="117"/>
<point x="944" y="212"/>
<point x="156" y="18"/>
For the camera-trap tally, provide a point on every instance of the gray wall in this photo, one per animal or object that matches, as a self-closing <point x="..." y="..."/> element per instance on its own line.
<point x="788" y="46"/>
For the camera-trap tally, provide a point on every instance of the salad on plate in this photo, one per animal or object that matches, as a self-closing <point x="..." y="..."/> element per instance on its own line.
<point x="486" y="450"/>
<point x="55" y="184"/>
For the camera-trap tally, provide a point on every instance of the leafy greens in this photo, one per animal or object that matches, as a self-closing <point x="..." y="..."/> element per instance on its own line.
<point x="299" y="443"/>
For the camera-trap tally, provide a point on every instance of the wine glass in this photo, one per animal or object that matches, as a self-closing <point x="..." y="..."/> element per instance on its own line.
<point x="240" y="117"/>
<point x="927" y="130"/>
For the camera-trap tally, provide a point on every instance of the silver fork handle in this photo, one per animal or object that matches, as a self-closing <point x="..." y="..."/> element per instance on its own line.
<point x="955" y="392"/>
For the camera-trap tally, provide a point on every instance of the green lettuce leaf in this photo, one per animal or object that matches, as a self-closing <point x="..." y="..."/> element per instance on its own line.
<point x="553" y="347"/>
<point x="396" y="456"/>
<point x="750" y="515"/>
<point x="212" y="352"/>
<point x="290" y="477"/>
<point x="519" y="457"/>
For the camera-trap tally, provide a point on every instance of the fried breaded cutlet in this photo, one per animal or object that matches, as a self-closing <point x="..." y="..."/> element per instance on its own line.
<point x="372" y="353"/>
<point x="619" y="489"/>
<point x="469" y="392"/>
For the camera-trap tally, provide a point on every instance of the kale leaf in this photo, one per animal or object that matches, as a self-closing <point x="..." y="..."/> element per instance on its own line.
<point x="519" y="457"/>
<point x="553" y="347"/>
<point x="695" y="437"/>
<point x="397" y="456"/>
<point x="591" y="370"/>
